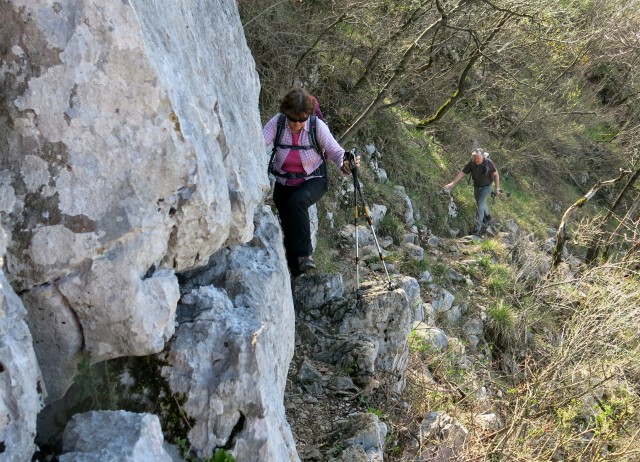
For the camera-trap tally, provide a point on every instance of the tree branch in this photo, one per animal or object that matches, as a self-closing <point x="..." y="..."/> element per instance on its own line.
<point x="319" y="37"/>
<point x="462" y="81"/>
<point x="542" y="93"/>
<point x="561" y="235"/>
<point x="395" y="78"/>
<point x="372" y="62"/>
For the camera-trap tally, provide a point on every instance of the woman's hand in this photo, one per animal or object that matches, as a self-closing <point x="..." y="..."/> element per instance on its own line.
<point x="346" y="165"/>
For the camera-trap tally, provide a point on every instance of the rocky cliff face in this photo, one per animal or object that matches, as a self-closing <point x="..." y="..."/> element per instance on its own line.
<point x="131" y="150"/>
<point x="20" y="380"/>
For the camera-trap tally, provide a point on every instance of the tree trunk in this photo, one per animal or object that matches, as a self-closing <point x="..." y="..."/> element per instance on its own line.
<point x="607" y="250"/>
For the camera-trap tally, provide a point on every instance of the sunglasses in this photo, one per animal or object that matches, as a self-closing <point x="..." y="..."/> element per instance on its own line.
<point x="291" y="119"/>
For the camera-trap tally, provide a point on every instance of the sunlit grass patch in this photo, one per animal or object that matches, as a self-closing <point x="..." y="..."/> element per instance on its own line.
<point x="500" y="279"/>
<point x="493" y="247"/>
<point x="501" y="320"/>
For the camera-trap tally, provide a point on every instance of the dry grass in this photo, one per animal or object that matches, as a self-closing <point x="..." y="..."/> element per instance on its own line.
<point x="579" y="397"/>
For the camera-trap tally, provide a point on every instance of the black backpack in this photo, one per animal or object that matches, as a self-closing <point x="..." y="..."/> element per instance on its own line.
<point x="313" y="136"/>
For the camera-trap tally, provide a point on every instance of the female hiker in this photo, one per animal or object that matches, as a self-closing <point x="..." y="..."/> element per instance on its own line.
<point x="302" y="145"/>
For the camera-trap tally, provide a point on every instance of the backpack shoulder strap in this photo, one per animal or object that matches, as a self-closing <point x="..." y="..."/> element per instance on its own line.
<point x="313" y="136"/>
<point x="276" y="141"/>
<point x="281" y="121"/>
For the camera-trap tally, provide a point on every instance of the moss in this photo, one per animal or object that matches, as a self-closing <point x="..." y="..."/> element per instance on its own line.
<point x="148" y="382"/>
<point x="100" y="387"/>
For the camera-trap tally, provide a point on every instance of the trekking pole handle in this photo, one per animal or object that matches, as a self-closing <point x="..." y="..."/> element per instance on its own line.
<point x="351" y="158"/>
<point x="508" y="194"/>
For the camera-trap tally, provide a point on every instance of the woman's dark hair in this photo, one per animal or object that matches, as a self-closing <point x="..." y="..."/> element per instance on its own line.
<point x="298" y="101"/>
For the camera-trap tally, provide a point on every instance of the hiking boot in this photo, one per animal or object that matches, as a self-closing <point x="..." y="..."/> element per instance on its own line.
<point x="475" y="232"/>
<point x="305" y="264"/>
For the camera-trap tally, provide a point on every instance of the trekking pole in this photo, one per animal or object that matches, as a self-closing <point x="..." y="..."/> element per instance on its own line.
<point x="493" y="195"/>
<point x="354" y="170"/>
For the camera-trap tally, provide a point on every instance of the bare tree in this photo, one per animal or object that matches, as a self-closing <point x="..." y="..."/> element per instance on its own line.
<point x="596" y="242"/>
<point x="462" y="81"/>
<point x="382" y="47"/>
<point x="398" y="72"/>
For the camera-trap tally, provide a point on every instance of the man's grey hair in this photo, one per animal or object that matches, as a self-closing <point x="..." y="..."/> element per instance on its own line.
<point x="479" y="152"/>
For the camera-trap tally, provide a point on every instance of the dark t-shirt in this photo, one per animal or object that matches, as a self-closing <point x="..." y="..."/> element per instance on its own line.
<point x="480" y="178"/>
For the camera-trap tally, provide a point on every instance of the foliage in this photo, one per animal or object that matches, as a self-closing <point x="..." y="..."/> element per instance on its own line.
<point x="325" y="254"/>
<point x="415" y="268"/>
<point x="416" y="342"/>
<point x="97" y="386"/>
<point x="222" y="456"/>
<point x="589" y="392"/>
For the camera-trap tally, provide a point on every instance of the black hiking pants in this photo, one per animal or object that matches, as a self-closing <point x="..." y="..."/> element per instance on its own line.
<point x="293" y="204"/>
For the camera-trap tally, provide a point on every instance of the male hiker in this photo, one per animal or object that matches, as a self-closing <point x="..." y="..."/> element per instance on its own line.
<point x="483" y="172"/>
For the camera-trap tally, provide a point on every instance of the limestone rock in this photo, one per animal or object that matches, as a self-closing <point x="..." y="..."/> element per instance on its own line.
<point x="443" y="427"/>
<point x="113" y="436"/>
<point x="365" y="235"/>
<point x="230" y="359"/>
<point x="21" y="386"/>
<point x="123" y="160"/>
<point x="311" y="291"/>
<point x="378" y="212"/>
<point x="432" y="338"/>
<point x="363" y="431"/>
<point x="415" y="252"/>
<point x="409" y="218"/>
<point x="442" y="300"/>
<point x="58" y="339"/>
<point x="366" y="335"/>
<point x="412" y="289"/>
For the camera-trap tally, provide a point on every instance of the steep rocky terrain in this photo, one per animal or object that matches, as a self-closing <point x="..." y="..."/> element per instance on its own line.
<point x="136" y="246"/>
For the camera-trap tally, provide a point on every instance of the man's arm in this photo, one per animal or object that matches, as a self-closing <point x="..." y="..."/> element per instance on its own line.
<point x="458" y="177"/>
<point x="496" y="180"/>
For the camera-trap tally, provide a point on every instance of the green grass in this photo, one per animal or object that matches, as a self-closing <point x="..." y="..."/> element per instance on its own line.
<point x="488" y="268"/>
<point x="414" y="268"/>
<point x="533" y="207"/>
<point x="602" y="132"/>
<point x="416" y="342"/>
<point x="324" y="253"/>
<point x="502" y="322"/>
<point x="393" y="227"/>
<point x="500" y="279"/>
